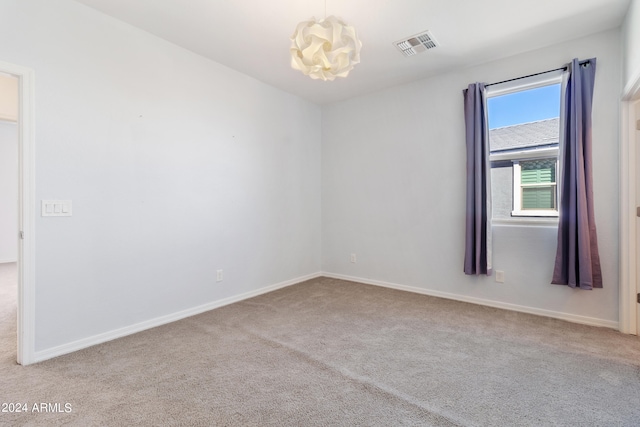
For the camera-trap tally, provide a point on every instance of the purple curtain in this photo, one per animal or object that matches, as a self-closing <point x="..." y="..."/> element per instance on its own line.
<point x="477" y="256"/>
<point x="577" y="258"/>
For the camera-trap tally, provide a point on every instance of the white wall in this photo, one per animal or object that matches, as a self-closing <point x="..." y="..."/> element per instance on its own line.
<point x="8" y="191"/>
<point x="177" y="166"/>
<point x="631" y="43"/>
<point x="393" y="189"/>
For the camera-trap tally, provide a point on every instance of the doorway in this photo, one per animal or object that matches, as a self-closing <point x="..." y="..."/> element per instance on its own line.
<point x="24" y="267"/>
<point x="636" y="142"/>
<point x="9" y="227"/>
<point x="629" y="313"/>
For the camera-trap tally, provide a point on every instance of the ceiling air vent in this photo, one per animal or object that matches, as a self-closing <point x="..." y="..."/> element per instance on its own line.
<point x="416" y="44"/>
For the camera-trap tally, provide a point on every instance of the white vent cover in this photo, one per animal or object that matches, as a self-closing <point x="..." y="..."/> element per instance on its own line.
<point x="416" y="44"/>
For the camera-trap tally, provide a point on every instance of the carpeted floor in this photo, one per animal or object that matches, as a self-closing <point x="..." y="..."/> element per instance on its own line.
<point x="330" y="352"/>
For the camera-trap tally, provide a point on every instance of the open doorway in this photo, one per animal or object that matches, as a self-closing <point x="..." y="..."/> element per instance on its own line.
<point x="9" y="223"/>
<point x="636" y="142"/>
<point x="23" y="273"/>
<point x="629" y="209"/>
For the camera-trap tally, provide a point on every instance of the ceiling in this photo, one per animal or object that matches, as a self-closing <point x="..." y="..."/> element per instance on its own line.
<point x="252" y="36"/>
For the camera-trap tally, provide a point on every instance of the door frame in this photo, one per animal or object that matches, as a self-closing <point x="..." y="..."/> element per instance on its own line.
<point x="629" y="288"/>
<point x="26" y="211"/>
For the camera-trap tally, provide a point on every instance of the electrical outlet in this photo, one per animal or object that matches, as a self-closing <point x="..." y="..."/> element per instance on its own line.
<point x="353" y="258"/>
<point x="499" y="276"/>
<point x="219" y="276"/>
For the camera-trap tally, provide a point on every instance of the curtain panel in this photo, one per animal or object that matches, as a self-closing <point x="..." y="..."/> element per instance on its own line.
<point x="477" y="257"/>
<point x="577" y="261"/>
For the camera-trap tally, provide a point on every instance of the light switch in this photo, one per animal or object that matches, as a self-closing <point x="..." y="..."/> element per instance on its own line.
<point x="56" y="208"/>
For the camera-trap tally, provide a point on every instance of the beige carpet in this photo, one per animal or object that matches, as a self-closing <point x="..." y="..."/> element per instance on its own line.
<point x="329" y="352"/>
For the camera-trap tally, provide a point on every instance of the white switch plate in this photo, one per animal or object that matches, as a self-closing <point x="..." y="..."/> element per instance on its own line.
<point x="499" y="276"/>
<point x="219" y="276"/>
<point x="56" y="208"/>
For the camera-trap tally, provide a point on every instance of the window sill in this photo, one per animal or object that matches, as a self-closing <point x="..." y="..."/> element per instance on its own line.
<point x="534" y="214"/>
<point x="526" y="221"/>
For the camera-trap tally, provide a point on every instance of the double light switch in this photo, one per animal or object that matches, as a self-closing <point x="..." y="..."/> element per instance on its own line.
<point x="56" y="208"/>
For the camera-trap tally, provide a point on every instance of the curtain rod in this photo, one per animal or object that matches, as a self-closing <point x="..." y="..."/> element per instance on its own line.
<point x="536" y="74"/>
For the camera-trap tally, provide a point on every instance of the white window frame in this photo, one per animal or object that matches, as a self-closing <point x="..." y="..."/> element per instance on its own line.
<point x="519" y="85"/>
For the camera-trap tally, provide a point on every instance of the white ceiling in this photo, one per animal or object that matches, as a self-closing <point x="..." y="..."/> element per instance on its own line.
<point x="252" y="36"/>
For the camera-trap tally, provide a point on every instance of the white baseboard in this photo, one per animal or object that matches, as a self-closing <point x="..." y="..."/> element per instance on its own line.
<point x="42" y="355"/>
<point x="592" y="321"/>
<point x="8" y="260"/>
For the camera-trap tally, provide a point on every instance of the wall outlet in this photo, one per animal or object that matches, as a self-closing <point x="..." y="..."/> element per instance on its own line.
<point x="499" y="276"/>
<point x="219" y="276"/>
<point x="353" y="258"/>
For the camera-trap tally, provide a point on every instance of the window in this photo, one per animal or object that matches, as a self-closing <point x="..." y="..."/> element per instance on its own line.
<point x="534" y="188"/>
<point x="523" y="140"/>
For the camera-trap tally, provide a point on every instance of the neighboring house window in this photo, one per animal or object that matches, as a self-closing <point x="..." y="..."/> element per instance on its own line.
<point x="523" y="142"/>
<point x="534" y="187"/>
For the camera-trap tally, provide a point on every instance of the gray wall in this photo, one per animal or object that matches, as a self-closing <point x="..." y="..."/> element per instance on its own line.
<point x="177" y="166"/>
<point x="502" y="190"/>
<point x="393" y="176"/>
<point x="631" y="43"/>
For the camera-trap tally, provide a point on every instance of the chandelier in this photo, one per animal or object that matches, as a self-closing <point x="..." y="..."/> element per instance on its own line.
<point x="325" y="49"/>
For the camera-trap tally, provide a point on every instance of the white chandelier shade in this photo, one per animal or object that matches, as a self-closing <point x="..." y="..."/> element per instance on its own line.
<point x="325" y="49"/>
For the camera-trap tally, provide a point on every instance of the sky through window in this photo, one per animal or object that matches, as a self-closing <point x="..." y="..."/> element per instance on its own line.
<point x="524" y="106"/>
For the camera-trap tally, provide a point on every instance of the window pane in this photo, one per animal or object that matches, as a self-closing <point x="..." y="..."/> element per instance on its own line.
<point x="524" y="126"/>
<point x="538" y="197"/>
<point x="538" y="171"/>
<point x="525" y="106"/>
